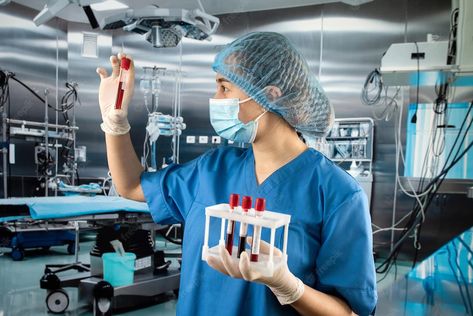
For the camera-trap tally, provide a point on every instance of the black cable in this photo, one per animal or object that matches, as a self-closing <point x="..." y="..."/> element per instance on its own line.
<point x="34" y="93"/>
<point x="27" y="88"/>
<point x="452" y="37"/>
<point x="374" y="78"/>
<point x="414" y="117"/>
<point x="441" y="98"/>
<point x="68" y="102"/>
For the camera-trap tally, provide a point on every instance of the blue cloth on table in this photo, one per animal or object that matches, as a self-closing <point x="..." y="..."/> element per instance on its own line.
<point x="69" y="206"/>
<point x="11" y="218"/>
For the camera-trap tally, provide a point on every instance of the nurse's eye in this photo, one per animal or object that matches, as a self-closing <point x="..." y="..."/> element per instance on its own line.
<point x="224" y="89"/>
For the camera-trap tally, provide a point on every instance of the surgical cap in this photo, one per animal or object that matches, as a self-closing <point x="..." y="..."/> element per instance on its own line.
<point x="258" y="61"/>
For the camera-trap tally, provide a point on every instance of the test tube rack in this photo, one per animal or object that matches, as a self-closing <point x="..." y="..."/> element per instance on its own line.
<point x="267" y="263"/>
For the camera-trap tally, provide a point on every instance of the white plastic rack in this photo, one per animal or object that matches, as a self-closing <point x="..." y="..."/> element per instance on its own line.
<point x="267" y="263"/>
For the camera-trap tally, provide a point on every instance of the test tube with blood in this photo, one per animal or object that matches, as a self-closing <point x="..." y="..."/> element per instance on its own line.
<point x="123" y="77"/>
<point x="245" y="205"/>
<point x="260" y="206"/>
<point x="234" y="201"/>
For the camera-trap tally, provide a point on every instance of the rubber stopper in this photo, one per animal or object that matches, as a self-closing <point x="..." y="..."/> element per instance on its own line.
<point x="246" y="203"/>
<point x="125" y="63"/>
<point x="260" y="205"/>
<point x="234" y="200"/>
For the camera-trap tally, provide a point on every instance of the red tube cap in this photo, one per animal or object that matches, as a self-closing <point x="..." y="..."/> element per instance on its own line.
<point x="260" y="205"/>
<point x="234" y="200"/>
<point x="246" y="203"/>
<point x="125" y="63"/>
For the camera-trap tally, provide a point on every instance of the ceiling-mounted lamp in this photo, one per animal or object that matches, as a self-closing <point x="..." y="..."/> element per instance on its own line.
<point x="163" y="27"/>
<point x="53" y="7"/>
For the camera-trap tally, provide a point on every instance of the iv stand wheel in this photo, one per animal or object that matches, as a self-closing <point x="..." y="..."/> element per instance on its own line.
<point x="57" y="301"/>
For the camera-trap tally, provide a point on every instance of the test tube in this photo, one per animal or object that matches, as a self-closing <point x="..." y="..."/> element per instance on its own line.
<point x="123" y="77"/>
<point x="234" y="201"/>
<point x="245" y="205"/>
<point x="260" y="206"/>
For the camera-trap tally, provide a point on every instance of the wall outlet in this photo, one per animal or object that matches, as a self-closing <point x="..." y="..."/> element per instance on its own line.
<point x="203" y="139"/>
<point x="190" y="139"/>
<point x="216" y="139"/>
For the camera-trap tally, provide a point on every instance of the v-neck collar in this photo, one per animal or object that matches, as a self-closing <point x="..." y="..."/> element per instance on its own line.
<point x="277" y="176"/>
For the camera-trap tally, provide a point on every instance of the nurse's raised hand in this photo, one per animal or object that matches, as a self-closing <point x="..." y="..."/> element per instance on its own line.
<point x="285" y="285"/>
<point x="115" y="121"/>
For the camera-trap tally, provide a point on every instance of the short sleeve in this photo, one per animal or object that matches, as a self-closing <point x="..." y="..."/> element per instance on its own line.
<point x="170" y="192"/>
<point x="345" y="264"/>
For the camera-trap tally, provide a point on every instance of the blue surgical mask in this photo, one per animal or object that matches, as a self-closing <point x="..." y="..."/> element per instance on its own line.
<point x="224" y="119"/>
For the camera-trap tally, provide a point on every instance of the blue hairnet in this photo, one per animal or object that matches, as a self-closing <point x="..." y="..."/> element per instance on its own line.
<point x="260" y="60"/>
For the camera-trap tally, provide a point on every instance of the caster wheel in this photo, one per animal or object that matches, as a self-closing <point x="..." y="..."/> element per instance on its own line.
<point x="57" y="301"/>
<point x="102" y="306"/>
<point x="17" y="254"/>
<point x="103" y="295"/>
<point x="71" y="250"/>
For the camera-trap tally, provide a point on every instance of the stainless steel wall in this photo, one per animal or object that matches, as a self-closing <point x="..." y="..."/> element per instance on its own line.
<point x="34" y="54"/>
<point x="342" y="44"/>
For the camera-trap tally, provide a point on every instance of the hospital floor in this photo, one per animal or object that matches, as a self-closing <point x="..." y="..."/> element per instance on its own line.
<point x="20" y="293"/>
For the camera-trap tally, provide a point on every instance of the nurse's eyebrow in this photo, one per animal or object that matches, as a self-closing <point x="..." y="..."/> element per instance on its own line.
<point x="220" y="80"/>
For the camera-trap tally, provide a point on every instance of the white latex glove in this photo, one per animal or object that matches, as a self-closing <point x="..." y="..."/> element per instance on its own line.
<point x="115" y="122"/>
<point x="285" y="285"/>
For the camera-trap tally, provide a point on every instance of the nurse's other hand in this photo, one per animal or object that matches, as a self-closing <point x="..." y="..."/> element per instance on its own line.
<point x="285" y="285"/>
<point x="115" y="122"/>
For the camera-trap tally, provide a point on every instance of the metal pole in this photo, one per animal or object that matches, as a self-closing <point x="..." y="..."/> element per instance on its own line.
<point x="76" y="241"/>
<point x="74" y="164"/>
<point x="5" y="151"/>
<point x="178" y="149"/>
<point x="46" y="138"/>
<point x="174" y="114"/>
<point x="56" y="156"/>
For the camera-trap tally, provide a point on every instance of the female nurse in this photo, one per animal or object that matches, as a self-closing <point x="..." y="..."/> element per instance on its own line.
<point x="266" y="96"/>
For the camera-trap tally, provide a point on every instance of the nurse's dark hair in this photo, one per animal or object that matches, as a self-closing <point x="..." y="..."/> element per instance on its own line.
<point x="301" y="137"/>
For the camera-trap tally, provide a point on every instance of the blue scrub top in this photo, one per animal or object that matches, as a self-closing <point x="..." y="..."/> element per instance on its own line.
<point x="329" y="243"/>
